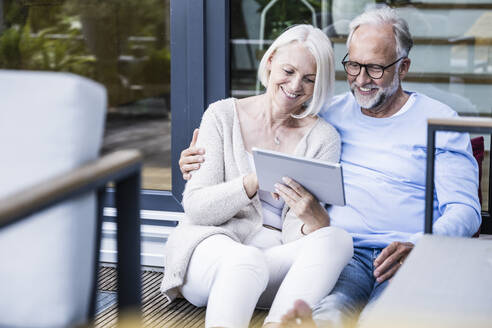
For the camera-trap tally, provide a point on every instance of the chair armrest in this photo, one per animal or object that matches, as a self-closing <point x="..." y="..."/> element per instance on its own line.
<point x="83" y="179"/>
<point x="123" y="168"/>
<point x="458" y="124"/>
<point x="464" y="122"/>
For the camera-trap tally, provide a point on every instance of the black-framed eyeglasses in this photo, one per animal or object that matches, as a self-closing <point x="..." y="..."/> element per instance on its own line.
<point x="373" y="70"/>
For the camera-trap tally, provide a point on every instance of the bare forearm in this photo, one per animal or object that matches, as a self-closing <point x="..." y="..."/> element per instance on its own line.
<point x="250" y="184"/>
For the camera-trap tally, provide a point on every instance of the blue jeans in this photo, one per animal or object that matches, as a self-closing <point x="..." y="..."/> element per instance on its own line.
<point x="356" y="287"/>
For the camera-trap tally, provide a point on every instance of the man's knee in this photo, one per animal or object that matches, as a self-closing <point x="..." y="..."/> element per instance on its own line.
<point x="342" y="306"/>
<point x="336" y="310"/>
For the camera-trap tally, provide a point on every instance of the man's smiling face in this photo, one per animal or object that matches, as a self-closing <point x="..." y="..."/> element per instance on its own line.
<point x="374" y="44"/>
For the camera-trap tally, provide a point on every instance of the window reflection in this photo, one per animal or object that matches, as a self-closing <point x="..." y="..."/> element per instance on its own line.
<point x="123" y="44"/>
<point x="451" y="58"/>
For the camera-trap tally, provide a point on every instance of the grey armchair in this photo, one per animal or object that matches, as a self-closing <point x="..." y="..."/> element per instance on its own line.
<point x="51" y="191"/>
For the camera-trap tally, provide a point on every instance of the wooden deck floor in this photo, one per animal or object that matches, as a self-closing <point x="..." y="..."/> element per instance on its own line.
<point x="157" y="311"/>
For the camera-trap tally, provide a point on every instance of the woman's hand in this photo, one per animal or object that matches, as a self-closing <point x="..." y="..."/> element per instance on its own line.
<point x="250" y="183"/>
<point x="191" y="158"/>
<point x="304" y="204"/>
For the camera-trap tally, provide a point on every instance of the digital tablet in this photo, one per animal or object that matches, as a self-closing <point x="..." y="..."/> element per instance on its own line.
<point x="322" y="179"/>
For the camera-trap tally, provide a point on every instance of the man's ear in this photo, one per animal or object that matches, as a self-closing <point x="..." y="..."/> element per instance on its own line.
<point x="404" y="67"/>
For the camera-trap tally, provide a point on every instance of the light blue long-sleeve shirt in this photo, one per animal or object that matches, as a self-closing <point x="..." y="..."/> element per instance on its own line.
<point x="384" y="171"/>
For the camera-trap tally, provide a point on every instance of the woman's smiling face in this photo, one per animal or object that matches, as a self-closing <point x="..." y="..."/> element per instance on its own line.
<point x="292" y="76"/>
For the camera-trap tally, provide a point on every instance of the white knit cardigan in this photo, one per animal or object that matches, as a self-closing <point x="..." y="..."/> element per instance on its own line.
<point x="215" y="201"/>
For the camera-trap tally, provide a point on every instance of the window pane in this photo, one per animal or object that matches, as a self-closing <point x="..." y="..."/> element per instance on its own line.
<point x="123" y="44"/>
<point x="451" y="57"/>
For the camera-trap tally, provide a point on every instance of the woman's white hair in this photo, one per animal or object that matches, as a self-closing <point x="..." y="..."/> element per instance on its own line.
<point x="381" y="16"/>
<point x="320" y="47"/>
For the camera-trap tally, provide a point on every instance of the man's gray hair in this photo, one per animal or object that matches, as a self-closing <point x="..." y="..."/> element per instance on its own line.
<point x="386" y="15"/>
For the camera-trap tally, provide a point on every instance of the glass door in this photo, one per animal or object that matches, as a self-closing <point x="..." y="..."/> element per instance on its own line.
<point x="122" y="44"/>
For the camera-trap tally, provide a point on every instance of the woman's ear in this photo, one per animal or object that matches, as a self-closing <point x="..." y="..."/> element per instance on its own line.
<point x="269" y="61"/>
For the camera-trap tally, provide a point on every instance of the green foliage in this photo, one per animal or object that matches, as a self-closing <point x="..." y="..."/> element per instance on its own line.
<point x="14" y="13"/>
<point x="10" y="56"/>
<point x="123" y="44"/>
<point x="54" y="48"/>
<point x="158" y="68"/>
<point x="286" y="13"/>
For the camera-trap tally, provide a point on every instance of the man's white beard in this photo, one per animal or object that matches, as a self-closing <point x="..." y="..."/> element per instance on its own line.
<point x="371" y="102"/>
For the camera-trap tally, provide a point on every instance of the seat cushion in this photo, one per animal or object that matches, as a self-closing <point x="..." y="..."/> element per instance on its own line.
<point x="50" y="123"/>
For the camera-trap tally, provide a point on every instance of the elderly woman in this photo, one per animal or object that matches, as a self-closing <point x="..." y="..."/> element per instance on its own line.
<point x="238" y="247"/>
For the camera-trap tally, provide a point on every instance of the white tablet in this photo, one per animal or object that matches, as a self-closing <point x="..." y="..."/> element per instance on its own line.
<point x="322" y="179"/>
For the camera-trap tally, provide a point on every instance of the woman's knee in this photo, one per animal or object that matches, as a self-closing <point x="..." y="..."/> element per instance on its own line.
<point x="246" y="259"/>
<point x="333" y="238"/>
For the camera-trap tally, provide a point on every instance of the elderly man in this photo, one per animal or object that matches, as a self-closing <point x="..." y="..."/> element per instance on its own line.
<point x="383" y="132"/>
